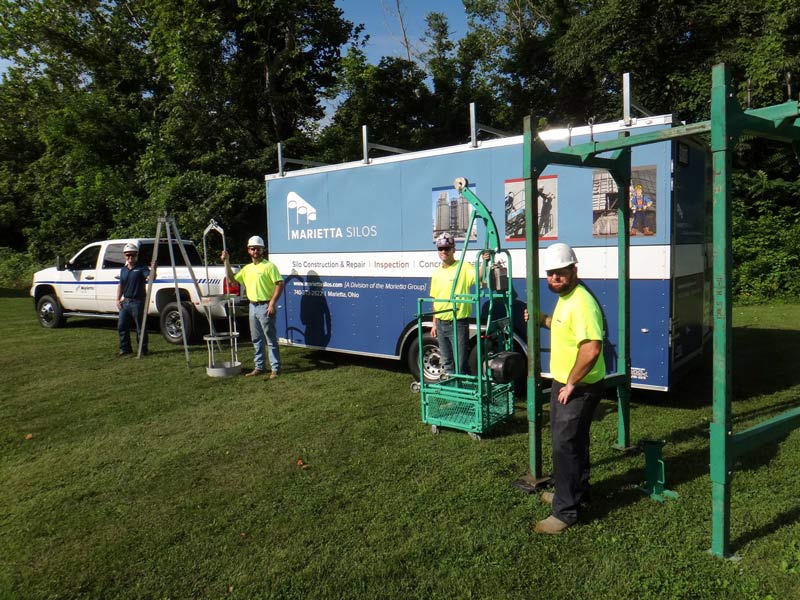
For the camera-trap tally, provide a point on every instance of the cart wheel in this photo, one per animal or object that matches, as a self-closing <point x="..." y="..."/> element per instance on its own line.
<point x="434" y="430"/>
<point x="415" y="387"/>
<point x="474" y="436"/>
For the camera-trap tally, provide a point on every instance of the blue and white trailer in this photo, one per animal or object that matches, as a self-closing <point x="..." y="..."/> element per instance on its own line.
<point x="354" y="243"/>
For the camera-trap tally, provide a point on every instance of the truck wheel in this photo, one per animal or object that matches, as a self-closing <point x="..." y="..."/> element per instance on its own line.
<point x="49" y="312"/>
<point x="171" y="323"/>
<point x="431" y="362"/>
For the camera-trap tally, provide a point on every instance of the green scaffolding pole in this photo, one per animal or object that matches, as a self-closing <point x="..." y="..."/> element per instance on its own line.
<point x="535" y="394"/>
<point x="720" y="427"/>
<point x="728" y="123"/>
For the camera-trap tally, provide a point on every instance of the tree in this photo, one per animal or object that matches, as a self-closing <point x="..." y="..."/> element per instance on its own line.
<point x="391" y="98"/>
<point x="243" y="76"/>
<point x="513" y="41"/>
<point x="80" y="116"/>
<point x="457" y="82"/>
<point x="127" y="109"/>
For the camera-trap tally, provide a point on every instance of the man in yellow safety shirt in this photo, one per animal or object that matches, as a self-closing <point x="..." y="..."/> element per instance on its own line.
<point x="449" y="328"/>
<point x="578" y="370"/>
<point x="264" y="285"/>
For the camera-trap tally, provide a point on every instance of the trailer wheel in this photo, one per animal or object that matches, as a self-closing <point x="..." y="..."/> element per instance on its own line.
<point x="171" y="323"/>
<point x="49" y="312"/>
<point x="431" y="361"/>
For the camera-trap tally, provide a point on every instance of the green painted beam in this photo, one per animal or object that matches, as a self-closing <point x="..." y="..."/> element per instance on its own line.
<point x="621" y="173"/>
<point x="773" y="122"/>
<point x="640" y="139"/>
<point x="758" y="435"/>
<point x="728" y="122"/>
<point x="536" y="157"/>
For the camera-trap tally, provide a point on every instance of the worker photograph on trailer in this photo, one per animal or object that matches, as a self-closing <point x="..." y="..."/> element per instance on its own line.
<point x="515" y="208"/>
<point x="642" y="195"/>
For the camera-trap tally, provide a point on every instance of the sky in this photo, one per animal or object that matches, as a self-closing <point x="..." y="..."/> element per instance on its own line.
<point x="381" y="23"/>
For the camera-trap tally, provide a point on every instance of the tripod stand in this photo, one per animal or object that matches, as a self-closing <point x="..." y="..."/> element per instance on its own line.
<point x="172" y="234"/>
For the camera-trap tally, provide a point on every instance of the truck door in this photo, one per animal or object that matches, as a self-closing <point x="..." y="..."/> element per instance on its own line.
<point x="80" y="285"/>
<point x="108" y="277"/>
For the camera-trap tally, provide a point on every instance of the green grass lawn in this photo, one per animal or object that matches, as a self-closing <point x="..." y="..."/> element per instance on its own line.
<point x="145" y="479"/>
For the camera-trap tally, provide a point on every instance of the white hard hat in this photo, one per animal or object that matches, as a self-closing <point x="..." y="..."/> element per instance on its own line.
<point x="131" y="247"/>
<point x="255" y="241"/>
<point x="558" y="256"/>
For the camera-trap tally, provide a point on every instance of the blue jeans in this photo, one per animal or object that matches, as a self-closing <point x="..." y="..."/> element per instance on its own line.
<point x="262" y="330"/>
<point x="130" y="313"/>
<point x="569" y="426"/>
<point x="444" y="333"/>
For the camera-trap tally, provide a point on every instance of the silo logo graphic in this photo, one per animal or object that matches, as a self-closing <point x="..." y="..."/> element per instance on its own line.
<point x="301" y="223"/>
<point x="298" y="212"/>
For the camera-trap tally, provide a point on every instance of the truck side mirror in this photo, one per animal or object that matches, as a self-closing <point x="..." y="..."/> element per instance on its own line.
<point x="60" y="266"/>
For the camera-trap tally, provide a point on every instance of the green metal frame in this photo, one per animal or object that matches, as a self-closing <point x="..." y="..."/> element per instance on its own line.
<point x="536" y="157"/>
<point x="727" y="124"/>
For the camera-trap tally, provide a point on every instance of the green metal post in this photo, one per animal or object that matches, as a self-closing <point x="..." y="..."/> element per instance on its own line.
<point x="722" y="142"/>
<point x="622" y="177"/>
<point x="531" y="172"/>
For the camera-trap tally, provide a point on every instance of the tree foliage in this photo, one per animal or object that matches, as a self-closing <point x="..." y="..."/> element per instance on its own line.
<point x="119" y="111"/>
<point x="114" y="112"/>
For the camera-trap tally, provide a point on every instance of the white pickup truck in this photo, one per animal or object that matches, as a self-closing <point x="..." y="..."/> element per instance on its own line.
<point x="86" y="286"/>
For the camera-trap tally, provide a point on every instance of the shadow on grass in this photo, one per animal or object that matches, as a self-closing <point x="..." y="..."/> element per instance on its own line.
<point x="622" y="490"/>
<point x="92" y="323"/>
<point x="14" y="293"/>
<point x="325" y="360"/>
<point x="788" y="518"/>
<point x="764" y="362"/>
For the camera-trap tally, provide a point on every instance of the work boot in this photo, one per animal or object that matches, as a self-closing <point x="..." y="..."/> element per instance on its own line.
<point x="254" y="372"/>
<point x="551" y="525"/>
<point x="547" y="498"/>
